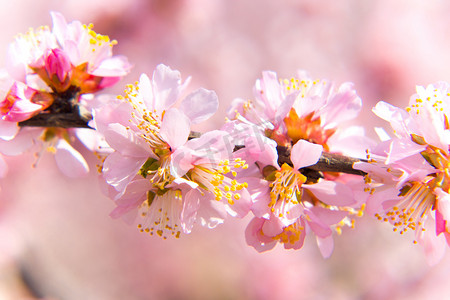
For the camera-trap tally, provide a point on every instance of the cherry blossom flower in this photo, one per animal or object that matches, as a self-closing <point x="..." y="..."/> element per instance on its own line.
<point x="68" y="57"/>
<point x="155" y="171"/>
<point x="291" y="201"/>
<point x="408" y="174"/>
<point x="55" y="72"/>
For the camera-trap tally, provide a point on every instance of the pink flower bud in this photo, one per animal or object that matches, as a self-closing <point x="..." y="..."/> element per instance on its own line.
<point x="57" y="63"/>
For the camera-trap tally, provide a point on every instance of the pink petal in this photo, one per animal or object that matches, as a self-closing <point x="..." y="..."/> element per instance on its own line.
<point x="440" y="223"/>
<point x="8" y="130"/>
<point x="181" y="161"/>
<point x="305" y="154"/>
<point x="262" y="149"/>
<point x="3" y="167"/>
<point x="23" y="141"/>
<point x="394" y="115"/>
<point x="211" y="213"/>
<point x="146" y="91"/>
<point x="344" y="105"/>
<point x="119" y="170"/>
<point x="259" y="191"/>
<point x="326" y="245"/>
<point x="332" y="192"/>
<point x="255" y="238"/>
<point x="70" y="161"/>
<point x="181" y="181"/>
<point x="211" y="146"/>
<point x="327" y="216"/>
<point x="59" y="29"/>
<point x="200" y="105"/>
<point x="443" y="203"/>
<point x="241" y="207"/>
<point x="272" y="92"/>
<point x="175" y="128"/>
<point x="284" y="108"/>
<point x="93" y="140"/>
<point x="189" y="212"/>
<point x="126" y="141"/>
<point x="116" y="66"/>
<point x="319" y="228"/>
<point x="433" y="246"/>
<point x="167" y="85"/>
<point x="134" y="193"/>
<point x="272" y="227"/>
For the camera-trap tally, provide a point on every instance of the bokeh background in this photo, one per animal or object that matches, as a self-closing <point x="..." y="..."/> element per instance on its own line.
<point x="56" y="238"/>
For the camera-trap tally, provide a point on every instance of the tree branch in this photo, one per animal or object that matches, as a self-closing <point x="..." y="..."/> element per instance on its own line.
<point x="62" y="120"/>
<point x="328" y="162"/>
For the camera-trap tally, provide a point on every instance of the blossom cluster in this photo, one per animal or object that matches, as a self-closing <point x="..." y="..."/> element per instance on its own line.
<point x="55" y="71"/>
<point x="268" y="160"/>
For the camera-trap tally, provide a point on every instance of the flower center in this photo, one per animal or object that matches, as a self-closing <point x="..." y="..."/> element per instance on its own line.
<point x="161" y="213"/>
<point x="414" y="207"/>
<point x="286" y="188"/>
<point x="291" y="234"/>
<point x="157" y="171"/>
<point x="212" y="178"/>
<point x="96" y="39"/>
<point x="143" y="120"/>
<point x="307" y="128"/>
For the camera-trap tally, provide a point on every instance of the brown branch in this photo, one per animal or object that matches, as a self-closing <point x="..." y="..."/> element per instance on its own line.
<point x="62" y="120"/>
<point x="328" y="162"/>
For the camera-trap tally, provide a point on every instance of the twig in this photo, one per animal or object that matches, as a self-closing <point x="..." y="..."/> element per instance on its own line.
<point x="328" y="162"/>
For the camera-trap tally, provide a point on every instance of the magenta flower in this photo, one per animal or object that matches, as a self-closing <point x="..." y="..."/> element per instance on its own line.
<point x="155" y="170"/>
<point x="408" y="174"/>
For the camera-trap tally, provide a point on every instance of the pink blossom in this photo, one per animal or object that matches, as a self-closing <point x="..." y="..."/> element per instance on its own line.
<point x="271" y="105"/>
<point x="408" y="173"/>
<point x="288" y="211"/>
<point x="304" y="115"/>
<point x="54" y="140"/>
<point x="69" y="55"/>
<point x="155" y="171"/>
<point x="56" y="72"/>
<point x="22" y="102"/>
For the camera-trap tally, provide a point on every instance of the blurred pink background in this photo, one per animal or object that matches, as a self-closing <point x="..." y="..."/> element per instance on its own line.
<point x="56" y="239"/>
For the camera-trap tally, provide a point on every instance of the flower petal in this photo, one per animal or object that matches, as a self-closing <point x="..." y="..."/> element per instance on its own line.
<point x="167" y="87"/>
<point x="200" y="105"/>
<point x="255" y="238"/>
<point x="70" y="161"/>
<point x="23" y="141"/>
<point x="190" y="207"/>
<point x="332" y="192"/>
<point x="115" y="66"/>
<point x="119" y="170"/>
<point x="3" y="167"/>
<point x="8" y="130"/>
<point x="175" y="128"/>
<point x="304" y="154"/>
<point x="326" y="245"/>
